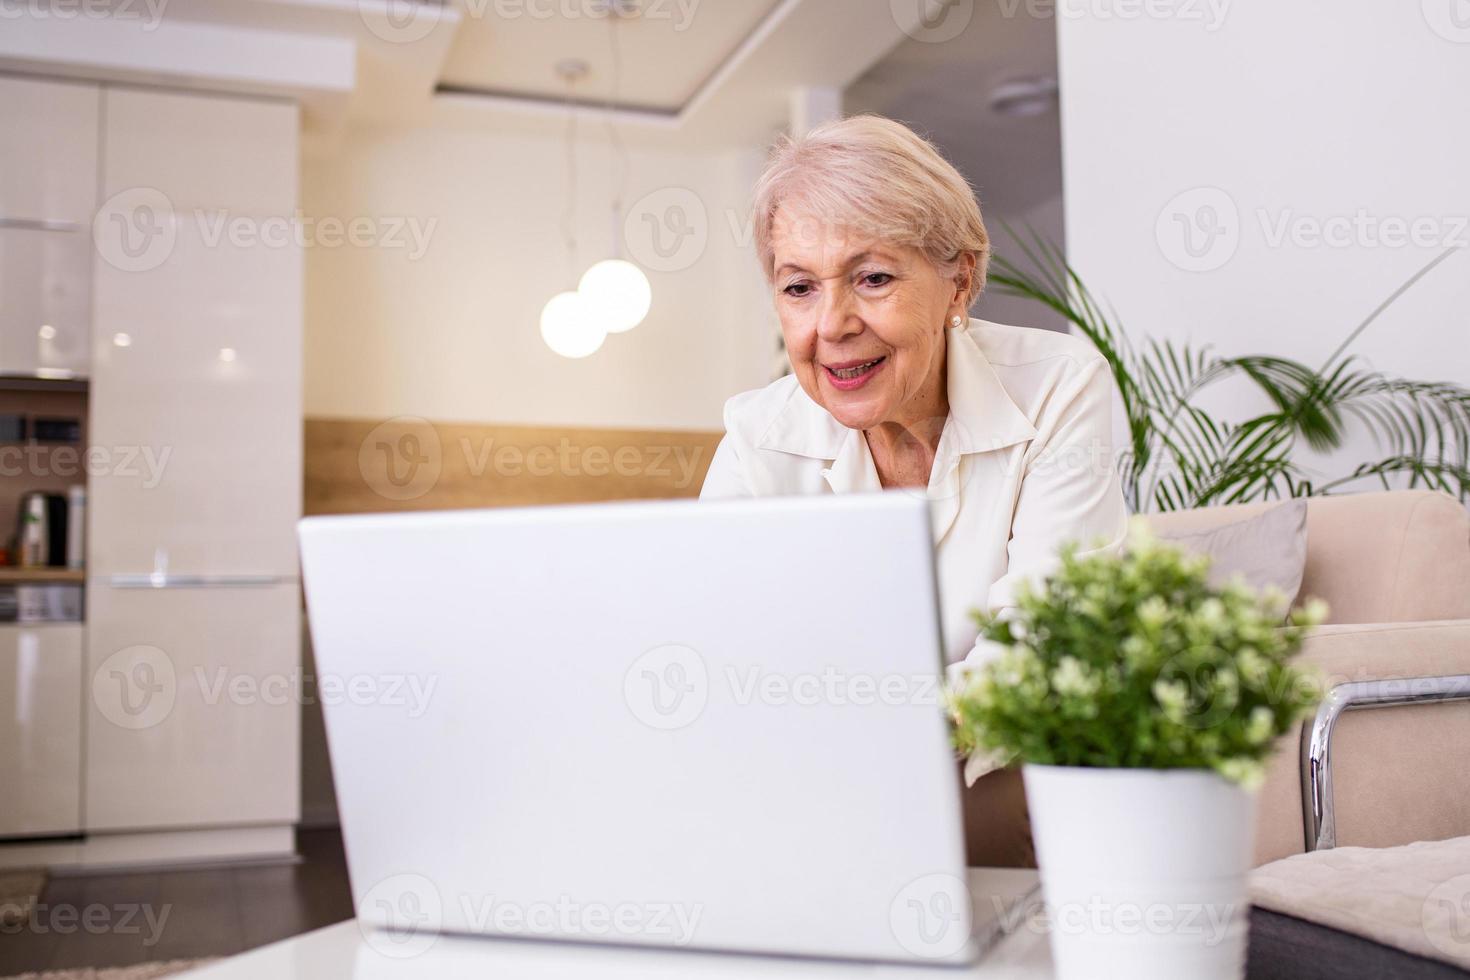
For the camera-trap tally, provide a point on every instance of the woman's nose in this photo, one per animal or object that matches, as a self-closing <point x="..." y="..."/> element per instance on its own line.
<point x="836" y="318"/>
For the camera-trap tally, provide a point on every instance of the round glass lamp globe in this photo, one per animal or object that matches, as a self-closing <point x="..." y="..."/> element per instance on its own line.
<point x="570" y="326"/>
<point x="619" y="292"/>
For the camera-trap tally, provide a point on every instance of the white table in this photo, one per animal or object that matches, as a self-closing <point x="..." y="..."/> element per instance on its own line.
<point x="342" y="951"/>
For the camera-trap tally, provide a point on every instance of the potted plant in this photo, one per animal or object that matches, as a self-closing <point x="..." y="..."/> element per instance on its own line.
<point x="1143" y="704"/>
<point x="1180" y="453"/>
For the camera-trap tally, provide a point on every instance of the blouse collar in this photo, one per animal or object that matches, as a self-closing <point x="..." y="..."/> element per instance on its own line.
<point x="982" y="419"/>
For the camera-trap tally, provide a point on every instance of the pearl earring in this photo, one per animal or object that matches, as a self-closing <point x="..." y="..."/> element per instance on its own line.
<point x="955" y="321"/>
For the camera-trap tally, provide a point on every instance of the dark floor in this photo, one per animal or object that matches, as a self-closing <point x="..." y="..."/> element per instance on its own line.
<point x="122" y="919"/>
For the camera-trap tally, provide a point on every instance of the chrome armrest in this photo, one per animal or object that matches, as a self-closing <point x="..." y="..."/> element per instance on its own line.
<point x="1318" y="821"/>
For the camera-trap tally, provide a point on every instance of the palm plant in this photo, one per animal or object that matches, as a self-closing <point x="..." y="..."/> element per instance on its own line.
<point x="1180" y="456"/>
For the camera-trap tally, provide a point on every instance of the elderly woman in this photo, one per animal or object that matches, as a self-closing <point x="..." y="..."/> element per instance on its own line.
<point x="875" y="250"/>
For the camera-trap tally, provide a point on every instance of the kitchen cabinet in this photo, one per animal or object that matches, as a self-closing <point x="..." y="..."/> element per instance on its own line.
<point x="45" y="302"/>
<point x="194" y="607"/>
<point x="40" y="729"/>
<point x="202" y="152"/>
<point x="48" y="193"/>
<point x="196" y="409"/>
<point x="193" y="708"/>
<point x="48" y="152"/>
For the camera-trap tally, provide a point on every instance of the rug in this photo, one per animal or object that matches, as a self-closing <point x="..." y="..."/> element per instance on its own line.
<point x="19" y="893"/>
<point x="142" y="971"/>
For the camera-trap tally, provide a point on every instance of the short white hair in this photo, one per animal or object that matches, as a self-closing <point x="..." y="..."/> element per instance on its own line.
<point x="878" y="177"/>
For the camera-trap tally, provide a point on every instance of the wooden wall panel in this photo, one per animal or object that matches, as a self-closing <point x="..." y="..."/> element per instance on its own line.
<point x="364" y="466"/>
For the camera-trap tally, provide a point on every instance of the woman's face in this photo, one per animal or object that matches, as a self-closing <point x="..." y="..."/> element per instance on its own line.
<point x="864" y="321"/>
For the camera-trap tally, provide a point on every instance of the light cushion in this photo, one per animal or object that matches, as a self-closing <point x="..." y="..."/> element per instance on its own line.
<point x="1412" y="897"/>
<point x="1265" y="549"/>
<point x="1395" y="556"/>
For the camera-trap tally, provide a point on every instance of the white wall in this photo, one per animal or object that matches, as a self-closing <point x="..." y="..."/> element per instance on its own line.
<point x="452" y="333"/>
<point x="1306" y="112"/>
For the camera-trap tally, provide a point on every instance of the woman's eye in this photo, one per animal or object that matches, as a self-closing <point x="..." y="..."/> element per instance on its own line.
<point x="797" y="289"/>
<point x="877" y="279"/>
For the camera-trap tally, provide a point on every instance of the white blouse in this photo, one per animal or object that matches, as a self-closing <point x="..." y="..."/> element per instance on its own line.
<point x="1024" y="462"/>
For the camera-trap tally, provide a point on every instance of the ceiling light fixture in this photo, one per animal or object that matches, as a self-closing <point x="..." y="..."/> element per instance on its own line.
<point x="617" y="288"/>
<point x="569" y="324"/>
<point x="614" y="295"/>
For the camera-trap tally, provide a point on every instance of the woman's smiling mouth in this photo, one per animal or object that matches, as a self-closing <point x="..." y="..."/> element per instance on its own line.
<point x="847" y="375"/>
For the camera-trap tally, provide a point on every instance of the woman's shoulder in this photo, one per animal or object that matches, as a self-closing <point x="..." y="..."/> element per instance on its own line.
<point x="1007" y="346"/>
<point x="750" y="413"/>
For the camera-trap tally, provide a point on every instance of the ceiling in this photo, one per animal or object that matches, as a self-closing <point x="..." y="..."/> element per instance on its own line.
<point x="695" y="72"/>
<point x="664" y="53"/>
<point x="944" y="91"/>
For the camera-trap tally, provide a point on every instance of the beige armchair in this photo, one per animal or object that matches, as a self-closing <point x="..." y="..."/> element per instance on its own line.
<point x="1395" y="568"/>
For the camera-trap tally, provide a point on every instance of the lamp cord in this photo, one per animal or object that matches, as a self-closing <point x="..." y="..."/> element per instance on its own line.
<point x="569" y="213"/>
<point x="619" y="152"/>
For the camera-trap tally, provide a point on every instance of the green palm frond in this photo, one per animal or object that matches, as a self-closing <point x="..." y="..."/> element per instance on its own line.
<point x="1181" y="456"/>
<point x="1436" y="474"/>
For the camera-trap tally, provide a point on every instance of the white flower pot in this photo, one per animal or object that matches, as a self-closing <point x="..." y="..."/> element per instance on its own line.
<point x="1143" y="871"/>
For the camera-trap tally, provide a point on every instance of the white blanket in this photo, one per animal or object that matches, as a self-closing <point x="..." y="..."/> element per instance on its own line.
<point x="1415" y="898"/>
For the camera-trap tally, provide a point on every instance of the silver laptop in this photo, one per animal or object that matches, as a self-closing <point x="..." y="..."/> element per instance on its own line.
<point x="711" y="726"/>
